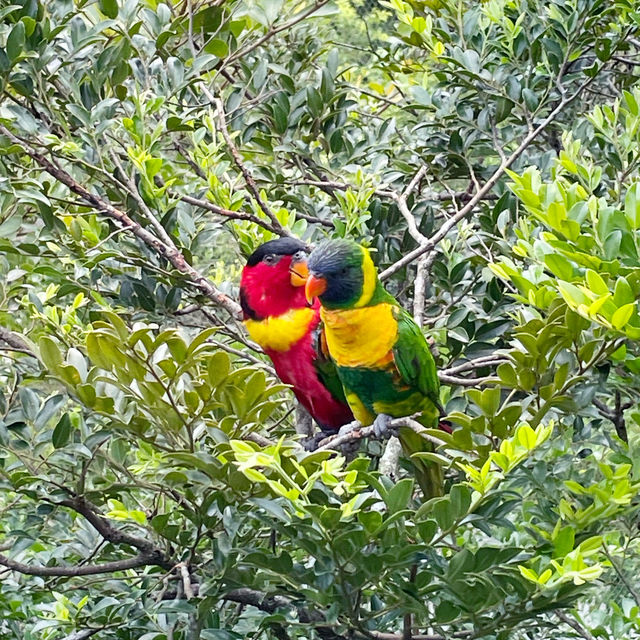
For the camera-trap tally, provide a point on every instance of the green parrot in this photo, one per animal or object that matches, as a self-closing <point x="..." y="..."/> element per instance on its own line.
<point x="382" y="357"/>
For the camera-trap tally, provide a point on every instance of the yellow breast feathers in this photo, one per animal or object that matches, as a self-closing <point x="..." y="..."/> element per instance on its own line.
<point x="278" y="333"/>
<point x="361" y="337"/>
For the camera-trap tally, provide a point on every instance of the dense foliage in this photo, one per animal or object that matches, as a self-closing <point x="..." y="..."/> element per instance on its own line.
<point x="152" y="484"/>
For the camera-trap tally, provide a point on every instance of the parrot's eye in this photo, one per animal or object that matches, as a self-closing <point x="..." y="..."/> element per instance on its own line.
<point x="299" y="255"/>
<point x="271" y="259"/>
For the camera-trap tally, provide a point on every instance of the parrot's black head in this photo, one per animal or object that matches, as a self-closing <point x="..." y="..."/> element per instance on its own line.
<point x="272" y="250"/>
<point x="341" y="275"/>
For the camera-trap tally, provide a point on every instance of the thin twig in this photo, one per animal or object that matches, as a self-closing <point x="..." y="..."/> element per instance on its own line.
<point x="186" y="579"/>
<point x="419" y="291"/>
<point x="575" y="625"/>
<point x="133" y="192"/>
<point x="355" y="431"/>
<point x="431" y="242"/>
<point x="141" y="560"/>
<point x="273" y="30"/>
<point x="401" y="201"/>
<point x="246" y="174"/>
<point x="228" y="213"/>
<point x="476" y="363"/>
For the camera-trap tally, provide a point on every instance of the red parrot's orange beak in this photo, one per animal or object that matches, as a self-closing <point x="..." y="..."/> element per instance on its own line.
<point x="315" y="287"/>
<point x="298" y="272"/>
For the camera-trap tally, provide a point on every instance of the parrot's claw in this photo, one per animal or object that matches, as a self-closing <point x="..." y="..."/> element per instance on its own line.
<point x="312" y="442"/>
<point x="348" y="428"/>
<point x="381" y="426"/>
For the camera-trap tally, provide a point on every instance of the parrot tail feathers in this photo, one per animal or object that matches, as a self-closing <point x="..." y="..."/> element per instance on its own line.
<point x="428" y="474"/>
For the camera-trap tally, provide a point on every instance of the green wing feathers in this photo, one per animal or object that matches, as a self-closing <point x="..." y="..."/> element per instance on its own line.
<point x="417" y="369"/>
<point x="413" y="358"/>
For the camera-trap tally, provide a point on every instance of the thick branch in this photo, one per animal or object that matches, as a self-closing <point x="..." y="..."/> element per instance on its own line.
<point x="170" y="253"/>
<point x="149" y="553"/>
<point x="443" y="196"/>
<point x="140" y="560"/>
<point x="476" y="363"/>
<point x="401" y="201"/>
<point x="381" y="635"/>
<point x="131" y="188"/>
<point x="111" y="533"/>
<point x="465" y="382"/>
<point x="82" y="635"/>
<point x="419" y="291"/>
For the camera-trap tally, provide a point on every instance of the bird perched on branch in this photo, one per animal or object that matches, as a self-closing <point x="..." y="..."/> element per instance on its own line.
<point x="382" y="357"/>
<point x="277" y="316"/>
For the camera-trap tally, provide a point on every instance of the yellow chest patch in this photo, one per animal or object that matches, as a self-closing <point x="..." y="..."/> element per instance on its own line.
<point x="279" y="333"/>
<point x="361" y="337"/>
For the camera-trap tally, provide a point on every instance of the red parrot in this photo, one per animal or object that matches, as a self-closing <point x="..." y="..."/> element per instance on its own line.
<point x="278" y="317"/>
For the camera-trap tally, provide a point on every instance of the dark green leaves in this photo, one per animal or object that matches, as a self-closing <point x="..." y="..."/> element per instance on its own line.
<point x="15" y="41"/>
<point x="62" y="432"/>
<point x="109" y="8"/>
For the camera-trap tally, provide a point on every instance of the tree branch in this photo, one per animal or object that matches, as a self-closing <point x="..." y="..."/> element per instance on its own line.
<point x="237" y="158"/>
<point x="271" y="603"/>
<point x="273" y="30"/>
<point x="401" y="201"/>
<point x="15" y="341"/>
<point x="476" y="363"/>
<point x="149" y="553"/>
<point x="82" y="635"/>
<point x="575" y="625"/>
<point x="228" y="213"/>
<point x="431" y="242"/>
<point x="109" y="532"/>
<point x="355" y="431"/>
<point x="170" y="253"/>
<point x="140" y="560"/>
<point x="131" y="188"/>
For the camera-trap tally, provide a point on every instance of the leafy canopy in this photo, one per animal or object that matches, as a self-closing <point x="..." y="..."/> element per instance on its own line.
<point x="152" y="486"/>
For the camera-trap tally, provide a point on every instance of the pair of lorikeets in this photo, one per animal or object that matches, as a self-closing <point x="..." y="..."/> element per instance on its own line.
<point x="342" y="341"/>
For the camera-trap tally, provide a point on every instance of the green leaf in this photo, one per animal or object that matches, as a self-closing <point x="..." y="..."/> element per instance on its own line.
<point x="29" y="25"/>
<point x="62" y="432"/>
<point x="563" y="541"/>
<point x="595" y="283"/>
<point x="219" y="366"/>
<point x="504" y="107"/>
<point x="218" y="48"/>
<point x="559" y="266"/>
<point x="15" y="41"/>
<point x="50" y="353"/>
<point x="507" y="375"/>
<point x="446" y="612"/>
<point x="177" y="124"/>
<point x="109" y="8"/>
<point x="623" y="315"/>
<point x="632" y="205"/>
<point x="443" y="513"/>
<point x="460" y="498"/>
<point x="370" y="520"/>
<point x="398" y="498"/>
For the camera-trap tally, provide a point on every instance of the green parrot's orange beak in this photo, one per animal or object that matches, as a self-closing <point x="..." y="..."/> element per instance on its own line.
<point x="298" y="272"/>
<point x="315" y="287"/>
